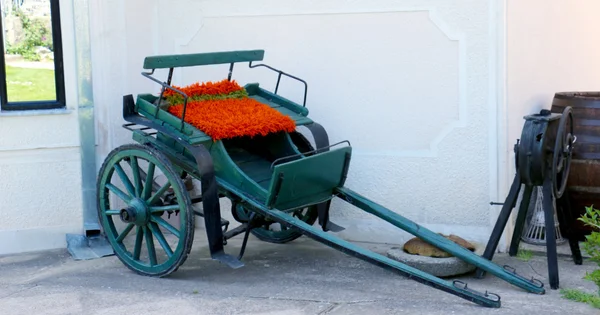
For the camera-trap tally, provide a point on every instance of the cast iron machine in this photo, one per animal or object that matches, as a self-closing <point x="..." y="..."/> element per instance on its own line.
<point x="278" y="184"/>
<point x="542" y="158"/>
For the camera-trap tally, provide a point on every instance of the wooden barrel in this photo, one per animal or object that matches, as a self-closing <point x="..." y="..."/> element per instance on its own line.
<point x="583" y="185"/>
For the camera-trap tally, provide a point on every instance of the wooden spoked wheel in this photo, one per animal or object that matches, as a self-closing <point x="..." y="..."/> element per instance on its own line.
<point x="150" y="224"/>
<point x="275" y="232"/>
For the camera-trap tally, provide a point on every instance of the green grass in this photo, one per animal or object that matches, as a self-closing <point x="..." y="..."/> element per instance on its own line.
<point x="524" y="255"/>
<point x="26" y="84"/>
<point x="579" y="296"/>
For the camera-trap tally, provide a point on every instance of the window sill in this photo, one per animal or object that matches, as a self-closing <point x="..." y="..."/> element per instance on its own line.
<point x="36" y="112"/>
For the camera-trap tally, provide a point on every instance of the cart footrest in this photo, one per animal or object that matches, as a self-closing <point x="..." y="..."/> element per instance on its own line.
<point x="324" y="221"/>
<point x="229" y="260"/>
<point x="330" y="226"/>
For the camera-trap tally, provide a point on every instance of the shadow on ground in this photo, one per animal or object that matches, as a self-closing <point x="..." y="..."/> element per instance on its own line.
<point x="302" y="277"/>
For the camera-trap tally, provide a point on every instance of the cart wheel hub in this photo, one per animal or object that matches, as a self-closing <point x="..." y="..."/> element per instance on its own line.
<point x="137" y="213"/>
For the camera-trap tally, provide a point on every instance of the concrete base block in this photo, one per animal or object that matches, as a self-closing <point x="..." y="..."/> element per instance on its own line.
<point x="440" y="267"/>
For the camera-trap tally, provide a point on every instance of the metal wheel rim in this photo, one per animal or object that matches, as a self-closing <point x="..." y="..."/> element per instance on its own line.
<point x="307" y="215"/>
<point x="284" y="234"/>
<point x="562" y="154"/>
<point x="149" y="234"/>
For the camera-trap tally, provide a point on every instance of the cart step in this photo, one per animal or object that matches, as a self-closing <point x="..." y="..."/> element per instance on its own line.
<point x="228" y="260"/>
<point x="330" y="226"/>
<point x="326" y="224"/>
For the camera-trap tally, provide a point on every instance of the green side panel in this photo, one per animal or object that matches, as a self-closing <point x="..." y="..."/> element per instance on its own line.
<point x="190" y="133"/>
<point x="308" y="180"/>
<point x="274" y="100"/>
<point x="202" y="59"/>
<point x="253" y="155"/>
<point x="227" y="169"/>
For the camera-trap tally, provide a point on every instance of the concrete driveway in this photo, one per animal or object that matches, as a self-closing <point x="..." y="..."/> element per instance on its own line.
<point x="302" y="277"/>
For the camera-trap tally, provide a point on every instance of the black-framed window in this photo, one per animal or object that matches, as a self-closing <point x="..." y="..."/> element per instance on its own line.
<point x="31" y="67"/>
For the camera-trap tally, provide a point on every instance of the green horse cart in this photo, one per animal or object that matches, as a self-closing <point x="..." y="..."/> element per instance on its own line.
<point x="279" y="185"/>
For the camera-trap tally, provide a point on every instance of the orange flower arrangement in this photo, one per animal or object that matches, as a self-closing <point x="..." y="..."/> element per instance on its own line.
<point x="223" y="110"/>
<point x="207" y="88"/>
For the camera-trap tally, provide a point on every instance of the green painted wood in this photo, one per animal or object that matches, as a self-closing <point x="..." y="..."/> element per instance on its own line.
<point x="144" y="105"/>
<point x="299" y="119"/>
<point x="434" y="239"/>
<point x="202" y="59"/>
<point x="255" y="91"/>
<point x="226" y="169"/>
<point x="255" y="167"/>
<point x="170" y="149"/>
<point x="364" y="254"/>
<point x="308" y="180"/>
<point x="147" y="221"/>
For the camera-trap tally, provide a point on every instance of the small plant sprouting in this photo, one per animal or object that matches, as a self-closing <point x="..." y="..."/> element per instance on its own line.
<point x="591" y="246"/>
<point x="524" y="255"/>
<point x="580" y="296"/>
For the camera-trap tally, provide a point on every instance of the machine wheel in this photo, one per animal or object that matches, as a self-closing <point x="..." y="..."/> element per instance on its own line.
<point x="563" y="151"/>
<point x="133" y="209"/>
<point x="274" y="232"/>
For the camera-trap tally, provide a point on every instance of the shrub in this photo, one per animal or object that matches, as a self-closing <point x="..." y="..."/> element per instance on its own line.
<point x="591" y="245"/>
<point x="36" y="34"/>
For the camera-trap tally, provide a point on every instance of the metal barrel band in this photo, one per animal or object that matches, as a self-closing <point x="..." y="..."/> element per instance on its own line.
<point x="466" y="288"/>
<point x="514" y="272"/>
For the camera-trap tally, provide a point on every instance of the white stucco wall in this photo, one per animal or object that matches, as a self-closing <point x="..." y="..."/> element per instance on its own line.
<point x="549" y="50"/>
<point x="412" y="84"/>
<point x="40" y="176"/>
<point x="424" y="90"/>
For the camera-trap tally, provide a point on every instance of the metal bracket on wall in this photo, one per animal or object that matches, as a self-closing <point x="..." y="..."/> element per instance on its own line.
<point x="89" y="246"/>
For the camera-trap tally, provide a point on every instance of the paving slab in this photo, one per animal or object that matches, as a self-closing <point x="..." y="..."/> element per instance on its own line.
<point x="302" y="277"/>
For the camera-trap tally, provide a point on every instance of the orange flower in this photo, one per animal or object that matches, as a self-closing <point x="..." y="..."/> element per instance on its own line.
<point x="234" y="117"/>
<point x="207" y="88"/>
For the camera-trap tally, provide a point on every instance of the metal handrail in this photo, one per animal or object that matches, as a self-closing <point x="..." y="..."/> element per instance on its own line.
<point x="279" y="79"/>
<point x="168" y="86"/>
<point x="307" y="152"/>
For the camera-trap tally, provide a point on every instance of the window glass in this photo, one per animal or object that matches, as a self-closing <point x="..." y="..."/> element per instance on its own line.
<point x="31" y="42"/>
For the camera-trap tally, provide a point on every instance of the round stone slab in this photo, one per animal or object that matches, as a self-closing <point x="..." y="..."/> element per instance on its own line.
<point x="440" y="267"/>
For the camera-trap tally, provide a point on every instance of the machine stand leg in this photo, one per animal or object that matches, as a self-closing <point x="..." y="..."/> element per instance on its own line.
<point x="520" y="223"/>
<point x="550" y="234"/>
<point x="501" y="223"/>
<point x="565" y="217"/>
